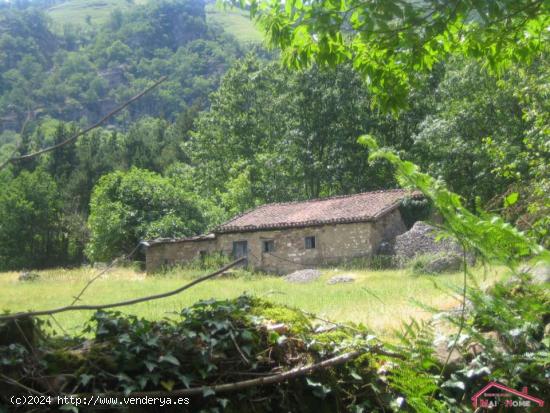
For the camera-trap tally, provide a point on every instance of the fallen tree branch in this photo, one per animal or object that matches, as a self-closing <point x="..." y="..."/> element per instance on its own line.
<point x="240" y="385"/>
<point x="15" y="383"/>
<point x="121" y="303"/>
<point x="88" y="129"/>
<point x="111" y="265"/>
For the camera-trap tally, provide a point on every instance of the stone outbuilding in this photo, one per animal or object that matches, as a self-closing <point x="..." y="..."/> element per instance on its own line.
<point x="289" y="236"/>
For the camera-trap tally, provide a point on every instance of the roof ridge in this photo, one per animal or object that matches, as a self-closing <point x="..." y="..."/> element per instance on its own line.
<point x="328" y="198"/>
<point x="227" y="224"/>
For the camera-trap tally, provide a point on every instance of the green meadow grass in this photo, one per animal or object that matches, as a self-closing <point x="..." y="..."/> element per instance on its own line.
<point x="381" y="300"/>
<point x="75" y="11"/>
<point x="233" y="21"/>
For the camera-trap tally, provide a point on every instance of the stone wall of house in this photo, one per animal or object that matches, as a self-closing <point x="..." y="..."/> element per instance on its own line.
<point x="174" y="253"/>
<point x="388" y="227"/>
<point x="333" y="243"/>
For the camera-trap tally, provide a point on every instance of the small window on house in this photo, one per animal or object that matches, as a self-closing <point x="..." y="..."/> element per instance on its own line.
<point x="268" y="245"/>
<point x="310" y="243"/>
<point x="202" y="254"/>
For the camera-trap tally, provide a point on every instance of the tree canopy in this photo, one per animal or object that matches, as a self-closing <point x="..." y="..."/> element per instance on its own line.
<point x="127" y="207"/>
<point x="389" y="42"/>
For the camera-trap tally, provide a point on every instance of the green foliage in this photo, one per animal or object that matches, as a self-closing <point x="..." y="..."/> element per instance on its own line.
<point x="415" y="375"/>
<point x="31" y="232"/>
<point x="127" y="207"/>
<point x="221" y="341"/>
<point x="209" y="343"/>
<point x="81" y="74"/>
<point x="413" y="210"/>
<point x="507" y="326"/>
<point x="259" y="143"/>
<point x="389" y="42"/>
<point x="490" y="236"/>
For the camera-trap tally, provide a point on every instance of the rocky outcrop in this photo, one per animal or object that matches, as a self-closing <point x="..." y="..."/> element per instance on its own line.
<point x="421" y="240"/>
<point x="442" y="263"/>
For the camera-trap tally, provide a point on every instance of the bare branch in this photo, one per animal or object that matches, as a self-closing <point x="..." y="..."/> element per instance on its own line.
<point x="111" y="265"/>
<point x="240" y="385"/>
<point x="121" y="303"/>
<point x="15" y="383"/>
<point x="88" y="129"/>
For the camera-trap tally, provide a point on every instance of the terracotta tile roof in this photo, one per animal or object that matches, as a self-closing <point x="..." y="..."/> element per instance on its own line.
<point x="205" y="237"/>
<point x="367" y="206"/>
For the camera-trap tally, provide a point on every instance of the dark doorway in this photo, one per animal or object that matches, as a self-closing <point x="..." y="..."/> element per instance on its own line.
<point x="240" y="249"/>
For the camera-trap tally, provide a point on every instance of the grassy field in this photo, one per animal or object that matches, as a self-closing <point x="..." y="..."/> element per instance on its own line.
<point x="235" y="22"/>
<point x="380" y="299"/>
<point x="76" y="11"/>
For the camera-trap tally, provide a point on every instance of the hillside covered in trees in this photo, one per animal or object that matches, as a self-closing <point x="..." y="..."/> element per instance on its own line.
<point x="128" y="120"/>
<point x="229" y="129"/>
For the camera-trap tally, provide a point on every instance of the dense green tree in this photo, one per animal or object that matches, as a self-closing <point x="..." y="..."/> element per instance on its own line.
<point x="275" y="135"/>
<point x="471" y="108"/>
<point x="31" y="234"/>
<point x="127" y="207"/>
<point x="392" y="43"/>
<point x="83" y="74"/>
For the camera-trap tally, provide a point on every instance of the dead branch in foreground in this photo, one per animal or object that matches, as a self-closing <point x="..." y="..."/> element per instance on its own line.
<point x="240" y="385"/>
<point x="88" y="129"/>
<point x="121" y="303"/>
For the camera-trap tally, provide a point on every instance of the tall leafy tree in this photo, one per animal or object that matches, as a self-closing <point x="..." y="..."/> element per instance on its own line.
<point x="31" y="234"/>
<point x="275" y="135"/>
<point x="127" y="207"/>
<point x="471" y="109"/>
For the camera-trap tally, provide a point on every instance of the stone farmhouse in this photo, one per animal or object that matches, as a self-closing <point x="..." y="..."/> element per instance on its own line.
<point x="288" y="236"/>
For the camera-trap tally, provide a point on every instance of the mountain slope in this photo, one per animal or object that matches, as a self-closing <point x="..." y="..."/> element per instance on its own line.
<point x="97" y="12"/>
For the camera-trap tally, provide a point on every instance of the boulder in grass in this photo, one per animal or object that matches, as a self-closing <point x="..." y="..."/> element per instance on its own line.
<point x="28" y="276"/>
<point x="340" y="279"/>
<point x="303" y="276"/>
<point x="444" y="263"/>
<point x="436" y="264"/>
<point x="539" y="273"/>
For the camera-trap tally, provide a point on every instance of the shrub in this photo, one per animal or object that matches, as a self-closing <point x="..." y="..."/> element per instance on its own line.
<point x="413" y="210"/>
<point x="432" y="264"/>
<point x="127" y="207"/>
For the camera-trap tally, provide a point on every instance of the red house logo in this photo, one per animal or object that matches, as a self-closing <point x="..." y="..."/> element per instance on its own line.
<point x="489" y="397"/>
